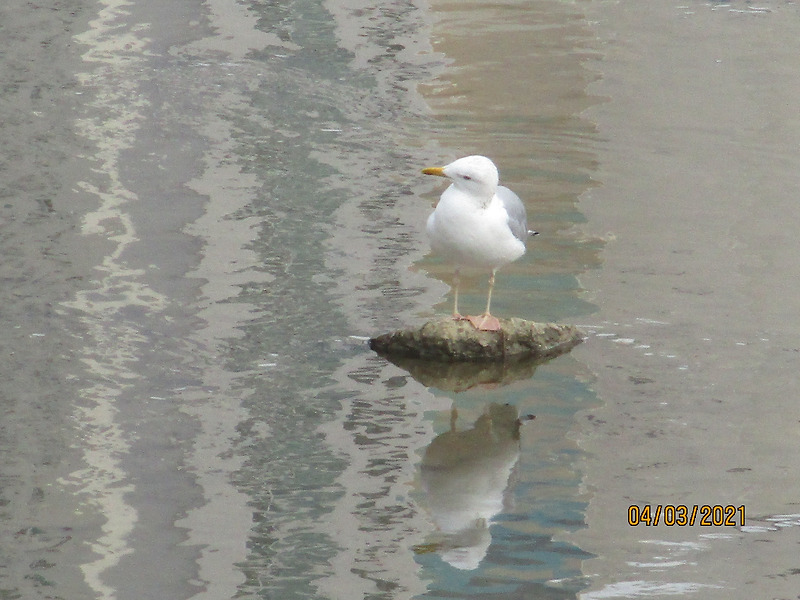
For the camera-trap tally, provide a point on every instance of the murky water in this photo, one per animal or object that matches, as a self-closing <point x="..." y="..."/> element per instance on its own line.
<point x="206" y="208"/>
<point x="697" y="299"/>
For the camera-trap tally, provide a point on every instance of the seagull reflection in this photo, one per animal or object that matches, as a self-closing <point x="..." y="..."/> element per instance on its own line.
<point x="465" y="476"/>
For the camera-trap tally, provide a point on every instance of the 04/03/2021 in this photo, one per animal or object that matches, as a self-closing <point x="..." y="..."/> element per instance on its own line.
<point x="682" y="515"/>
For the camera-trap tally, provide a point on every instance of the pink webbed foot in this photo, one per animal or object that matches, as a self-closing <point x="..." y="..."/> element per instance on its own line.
<point x="485" y="322"/>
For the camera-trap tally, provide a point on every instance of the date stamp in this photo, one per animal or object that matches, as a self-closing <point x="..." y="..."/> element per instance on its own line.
<point x="682" y="515"/>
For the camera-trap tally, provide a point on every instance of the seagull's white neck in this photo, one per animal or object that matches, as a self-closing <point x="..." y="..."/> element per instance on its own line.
<point x="475" y="192"/>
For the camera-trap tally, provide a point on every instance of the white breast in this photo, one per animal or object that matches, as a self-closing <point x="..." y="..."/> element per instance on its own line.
<point x="470" y="235"/>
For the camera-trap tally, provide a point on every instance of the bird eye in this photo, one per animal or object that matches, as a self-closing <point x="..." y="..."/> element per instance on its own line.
<point x="467" y="177"/>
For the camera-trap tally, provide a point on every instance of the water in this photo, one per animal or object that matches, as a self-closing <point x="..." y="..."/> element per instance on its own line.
<point x="699" y="172"/>
<point x="207" y="208"/>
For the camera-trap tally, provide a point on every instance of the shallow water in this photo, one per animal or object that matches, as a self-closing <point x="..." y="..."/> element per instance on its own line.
<point x="207" y="208"/>
<point x="697" y="299"/>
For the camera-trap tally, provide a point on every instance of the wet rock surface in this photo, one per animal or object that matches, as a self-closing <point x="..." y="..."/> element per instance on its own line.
<point x="450" y="340"/>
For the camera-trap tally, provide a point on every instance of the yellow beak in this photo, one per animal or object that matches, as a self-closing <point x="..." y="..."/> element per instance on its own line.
<point x="438" y="171"/>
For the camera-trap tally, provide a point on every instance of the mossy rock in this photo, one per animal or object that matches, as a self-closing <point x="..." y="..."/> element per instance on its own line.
<point x="451" y="340"/>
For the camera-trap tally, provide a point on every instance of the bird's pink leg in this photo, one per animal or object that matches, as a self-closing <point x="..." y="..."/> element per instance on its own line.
<point x="486" y="322"/>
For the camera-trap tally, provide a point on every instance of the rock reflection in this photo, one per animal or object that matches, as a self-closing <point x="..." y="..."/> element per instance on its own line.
<point x="462" y="376"/>
<point x="466" y="476"/>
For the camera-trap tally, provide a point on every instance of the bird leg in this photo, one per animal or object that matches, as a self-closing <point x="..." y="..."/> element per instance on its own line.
<point x="486" y="322"/>
<point x="491" y="289"/>
<point x="456" y="280"/>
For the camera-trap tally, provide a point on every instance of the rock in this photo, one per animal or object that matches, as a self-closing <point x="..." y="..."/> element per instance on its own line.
<point x="450" y="340"/>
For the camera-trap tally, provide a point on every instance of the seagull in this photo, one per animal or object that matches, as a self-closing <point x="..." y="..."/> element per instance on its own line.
<point x="477" y="224"/>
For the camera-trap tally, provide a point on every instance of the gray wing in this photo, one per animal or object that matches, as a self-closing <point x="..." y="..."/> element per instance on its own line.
<point x="517" y="218"/>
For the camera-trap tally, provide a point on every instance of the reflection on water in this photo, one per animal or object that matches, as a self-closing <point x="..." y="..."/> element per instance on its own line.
<point x="462" y="376"/>
<point x="257" y="209"/>
<point x="465" y="476"/>
<point x="501" y="493"/>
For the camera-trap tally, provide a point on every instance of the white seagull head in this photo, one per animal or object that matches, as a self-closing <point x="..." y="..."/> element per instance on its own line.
<point x="475" y="175"/>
